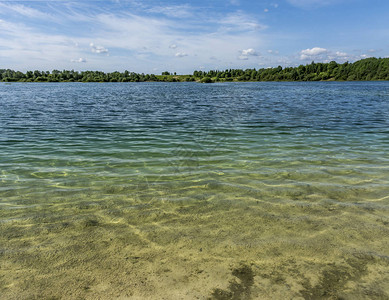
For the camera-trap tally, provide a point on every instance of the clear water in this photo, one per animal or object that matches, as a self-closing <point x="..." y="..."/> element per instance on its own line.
<point x="186" y="190"/>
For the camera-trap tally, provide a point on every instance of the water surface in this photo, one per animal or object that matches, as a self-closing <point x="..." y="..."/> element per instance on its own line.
<point x="186" y="190"/>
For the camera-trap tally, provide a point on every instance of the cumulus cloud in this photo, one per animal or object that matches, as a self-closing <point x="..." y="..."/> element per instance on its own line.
<point x="79" y="60"/>
<point x="98" y="49"/>
<point x="181" y="54"/>
<point x="312" y="53"/>
<point x="249" y="51"/>
<point x="244" y="54"/>
<point x="266" y="10"/>
<point x="173" y="46"/>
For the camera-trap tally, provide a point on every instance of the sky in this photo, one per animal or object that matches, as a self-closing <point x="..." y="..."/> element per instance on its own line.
<point x="153" y="36"/>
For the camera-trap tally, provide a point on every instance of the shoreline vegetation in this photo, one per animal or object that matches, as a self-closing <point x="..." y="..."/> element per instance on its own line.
<point x="369" y="69"/>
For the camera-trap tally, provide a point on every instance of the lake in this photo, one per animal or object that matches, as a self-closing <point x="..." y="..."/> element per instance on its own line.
<point x="194" y="191"/>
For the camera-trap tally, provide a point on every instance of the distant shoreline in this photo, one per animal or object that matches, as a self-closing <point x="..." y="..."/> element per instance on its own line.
<point x="369" y="69"/>
<point x="195" y="81"/>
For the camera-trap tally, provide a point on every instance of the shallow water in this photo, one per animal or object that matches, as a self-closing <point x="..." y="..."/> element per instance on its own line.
<point x="186" y="190"/>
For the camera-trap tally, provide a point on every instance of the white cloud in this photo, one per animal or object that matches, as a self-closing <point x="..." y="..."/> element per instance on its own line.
<point x="98" y="49"/>
<point x="249" y="51"/>
<point x="79" y="60"/>
<point x="181" y="54"/>
<point x="312" y="53"/>
<point x="244" y="54"/>
<point x="275" y="52"/>
<point x="173" y="46"/>
<point x="266" y="10"/>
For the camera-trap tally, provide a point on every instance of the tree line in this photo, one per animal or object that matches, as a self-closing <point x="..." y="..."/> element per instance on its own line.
<point x="365" y="69"/>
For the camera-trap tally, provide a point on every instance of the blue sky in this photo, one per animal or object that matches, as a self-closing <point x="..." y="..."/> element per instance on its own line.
<point x="153" y="36"/>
